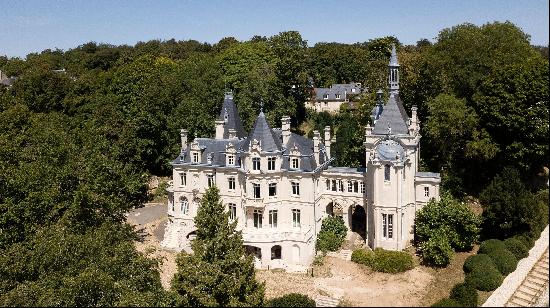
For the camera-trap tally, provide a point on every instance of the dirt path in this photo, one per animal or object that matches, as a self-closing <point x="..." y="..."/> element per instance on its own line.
<point x="354" y="284"/>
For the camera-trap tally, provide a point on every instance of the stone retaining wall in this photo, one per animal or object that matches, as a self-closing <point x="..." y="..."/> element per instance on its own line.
<point x="503" y="293"/>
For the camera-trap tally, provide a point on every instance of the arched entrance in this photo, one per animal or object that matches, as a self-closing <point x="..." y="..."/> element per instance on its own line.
<point x="358" y="220"/>
<point x="276" y="252"/>
<point x="330" y="209"/>
<point x="255" y="251"/>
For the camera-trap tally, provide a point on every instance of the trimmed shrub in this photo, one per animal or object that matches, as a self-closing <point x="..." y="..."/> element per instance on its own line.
<point x="516" y="246"/>
<point x="388" y="261"/>
<point x="527" y="240"/>
<point x="291" y="300"/>
<point x="447" y="302"/>
<point x="504" y="260"/>
<point x="437" y="250"/>
<point x="328" y="241"/>
<point x="465" y="294"/>
<point x="484" y="279"/>
<point x="336" y="225"/>
<point x="363" y="256"/>
<point x="477" y="261"/>
<point x="491" y="245"/>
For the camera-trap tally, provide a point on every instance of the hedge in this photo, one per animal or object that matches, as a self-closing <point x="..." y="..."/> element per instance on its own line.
<point x="465" y="294"/>
<point x="363" y="256"/>
<point x="504" y="260"/>
<point x="291" y="300"/>
<point x="389" y="261"/>
<point x="477" y="261"/>
<point x="447" y="302"/>
<point x="484" y="279"/>
<point x="516" y="246"/>
<point x="527" y="240"/>
<point x="491" y="245"/>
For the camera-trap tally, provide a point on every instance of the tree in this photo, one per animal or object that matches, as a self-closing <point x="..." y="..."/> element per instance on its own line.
<point x="218" y="273"/>
<point x="508" y="207"/>
<point x="332" y="234"/>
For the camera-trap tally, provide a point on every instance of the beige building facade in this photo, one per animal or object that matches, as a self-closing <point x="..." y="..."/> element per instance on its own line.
<point x="279" y="186"/>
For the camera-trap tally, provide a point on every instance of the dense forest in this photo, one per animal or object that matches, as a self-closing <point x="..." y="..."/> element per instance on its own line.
<point x="82" y="130"/>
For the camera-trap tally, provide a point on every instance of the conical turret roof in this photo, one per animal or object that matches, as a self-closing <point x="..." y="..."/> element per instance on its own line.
<point x="264" y="134"/>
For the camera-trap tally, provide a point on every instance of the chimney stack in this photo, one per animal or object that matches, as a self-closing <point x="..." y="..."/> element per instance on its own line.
<point x="232" y="134"/>
<point x="219" y="129"/>
<point x="285" y="129"/>
<point x="316" y="143"/>
<point x="183" y="134"/>
<point x="414" y="120"/>
<point x="327" y="140"/>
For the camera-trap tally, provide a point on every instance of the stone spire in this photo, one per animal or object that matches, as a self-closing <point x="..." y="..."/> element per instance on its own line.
<point x="393" y="68"/>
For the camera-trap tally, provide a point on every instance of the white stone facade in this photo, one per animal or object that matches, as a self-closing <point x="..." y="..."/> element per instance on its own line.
<point x="279" y="186"/>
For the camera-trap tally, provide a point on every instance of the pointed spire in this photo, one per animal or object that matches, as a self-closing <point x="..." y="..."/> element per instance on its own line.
<point x="264" y="134"/>
<point x="393" y="70"/>
<point x="393" y="58"/>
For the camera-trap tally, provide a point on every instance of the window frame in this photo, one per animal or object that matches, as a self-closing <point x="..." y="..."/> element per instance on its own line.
<point x="183" y="178"/>
<point x="257" y="218"/>
<point x="296" y="220"/>
<point x="273" y="219"/>
<point x="232" y="209"/>
<point x="295" y="163"/>
<point x="231" y="183"/>
<point x="274" y="187"/>
<point x="184" y="201"/>
<point x="271" y="163"/>
<point x="295" y="188"/>
<point x="387" y="173"/>
<point x="256" y="190"/>
<point x="210" y="180"/>
<point x="195" y="157"/>
<point x="256" y="164"/>
<point x="231" y="160"/>
<point x="426" y="191"/>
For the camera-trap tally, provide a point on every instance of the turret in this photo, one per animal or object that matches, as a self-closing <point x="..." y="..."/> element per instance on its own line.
<point x="393" y="67"/>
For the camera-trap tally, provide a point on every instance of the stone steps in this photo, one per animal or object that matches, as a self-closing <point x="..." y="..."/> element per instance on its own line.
<point x="344" y="254"/>
<point x="527" y="294"/>
<point x="325" y="301"/>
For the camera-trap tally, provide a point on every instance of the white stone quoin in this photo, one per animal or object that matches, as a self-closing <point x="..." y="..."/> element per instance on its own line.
<point x="279" y="185"/>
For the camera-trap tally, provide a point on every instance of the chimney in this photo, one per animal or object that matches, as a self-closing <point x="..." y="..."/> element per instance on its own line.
<point x="414" y="120"/>
<point x="327" y="140"/>
<point x="219" y="129"/>
<point x="368" y="130"/>
<point x="183" y="134"/>
<point x="232" y="134"/>
<point x="285" y="129"/>
<point x="316" y="142"/>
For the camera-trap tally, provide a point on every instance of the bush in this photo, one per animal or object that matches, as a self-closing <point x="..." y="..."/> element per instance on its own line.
<point x="332" y="234"/>
<point x="484" y="279"/>
<point x="504" y="260"/>
<point x="388" y="261"/>
<point x="363" y="256"/>
<point x="447" y="302"/>
<point x="477" y="261"/>
<point x="527" y="240"/>
<point x="437" y="250"/>
<point x="448" y="217"/>
<point x="491" y="245"/>
<point x="291" y="300"/>
<point x="516" y="246"/>
<point x="465" y="294"/>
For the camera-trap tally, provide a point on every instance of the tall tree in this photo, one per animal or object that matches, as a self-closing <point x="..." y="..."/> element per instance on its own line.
<point x="218" y="273"/>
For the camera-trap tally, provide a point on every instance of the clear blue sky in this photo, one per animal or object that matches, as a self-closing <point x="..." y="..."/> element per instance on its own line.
<point x="31" y="26"/>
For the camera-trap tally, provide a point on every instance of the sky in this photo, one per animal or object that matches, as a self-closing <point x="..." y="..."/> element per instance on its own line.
<point x="32" y="26"/>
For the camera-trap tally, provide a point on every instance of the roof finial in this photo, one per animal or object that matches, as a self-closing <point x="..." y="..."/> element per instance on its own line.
<point x="393" y="57"/>
<point x="261" y="105"/>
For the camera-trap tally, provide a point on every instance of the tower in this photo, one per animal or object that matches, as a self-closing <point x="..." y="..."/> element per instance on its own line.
<point x="393" y="74"/>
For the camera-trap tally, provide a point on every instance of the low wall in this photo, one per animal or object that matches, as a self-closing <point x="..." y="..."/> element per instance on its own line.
<point x="512" y="282"/>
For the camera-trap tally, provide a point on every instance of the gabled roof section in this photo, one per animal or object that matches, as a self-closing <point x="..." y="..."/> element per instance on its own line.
<point x="265" y="135"/>
<point x="230" y="115"/>
<point x="395" y="115"/>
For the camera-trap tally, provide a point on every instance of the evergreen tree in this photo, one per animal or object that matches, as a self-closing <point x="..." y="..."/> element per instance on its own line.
<point x="218" y="273"/>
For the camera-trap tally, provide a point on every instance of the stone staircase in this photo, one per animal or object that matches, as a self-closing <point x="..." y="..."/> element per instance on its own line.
<point x="325" y="301"/>
<point x="344" y="254"/>
<point x="528" y="293"/>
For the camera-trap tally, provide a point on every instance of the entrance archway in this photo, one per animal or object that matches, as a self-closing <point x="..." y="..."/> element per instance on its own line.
<point x="276" y="252"/>
<point x="358" y="220"/>
<point x="255" y="251"/>
<point x="330" y="209"/>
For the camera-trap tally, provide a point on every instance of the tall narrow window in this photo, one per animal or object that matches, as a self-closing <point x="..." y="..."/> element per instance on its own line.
<point x="256" y="190"/>
<point x="384" y="225"/>
<point x="362" y="186"/>
<point x="183" y="177"/>
<point x="231" y="160"/>
<point x="296" y="218"/>
<point x="273" y="219"/>
<point x="271" y="163"/>
<point x="195" y="157"/>
<point x="355" y="186"/>
<point x="272" y="189"/>
<point x="210" y="180"/>
<point x="340" y="185"/>
<point x="232" y="211"/>
<point x="231" y="183"/>
<point x="256" y="163"/>
<point x="328" y="184"/>
<point x="386" y="172"/>
<point x="295" y="163"/>
<point x="426" y="191"/>
<point x="184" y="206"/>
<point x="258" y="218"/>
<point x="350" y="186"/>
<point x="295" y="188"/>
<point x="390" y="225"/>
<point x="333" y="185"/>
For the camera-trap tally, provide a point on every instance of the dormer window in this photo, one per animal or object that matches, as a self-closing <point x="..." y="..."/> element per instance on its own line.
<point x="353" y="90"/>
<point x="231" y="160"/>
<point x="295" y="163"/>
<point x="256" y="163"/>
<point x="195" y="157"/>
<point x="337" y="96"/>
<point x="325" y="96"/>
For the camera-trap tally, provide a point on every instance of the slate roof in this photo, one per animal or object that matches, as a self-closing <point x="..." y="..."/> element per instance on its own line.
<point x="261" y="131"/>
<point x="214" y="147"/>
<point x="337" y="88"/>
<point x="427" y="175"/>
<point x="393" y="113"/>
<point x="233" y="121"/>
<point x="305" y="146"/>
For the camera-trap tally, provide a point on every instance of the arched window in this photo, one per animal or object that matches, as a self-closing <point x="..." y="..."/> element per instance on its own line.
<point x="184" y="206"/>
<point x="387" y="172"/>
<point x="276" y="252"/>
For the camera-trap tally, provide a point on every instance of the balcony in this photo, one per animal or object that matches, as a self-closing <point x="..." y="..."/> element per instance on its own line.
<point x="265" y="235"/>
<point x="254" y="202"/>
